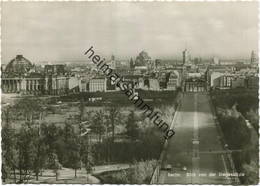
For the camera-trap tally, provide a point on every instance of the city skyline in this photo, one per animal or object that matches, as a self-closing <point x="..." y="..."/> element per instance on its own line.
<point x="63" y="31"/>
<point x="99" y="92"/>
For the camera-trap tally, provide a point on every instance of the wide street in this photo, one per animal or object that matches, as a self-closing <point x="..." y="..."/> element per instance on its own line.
<point x="196" y="146"/>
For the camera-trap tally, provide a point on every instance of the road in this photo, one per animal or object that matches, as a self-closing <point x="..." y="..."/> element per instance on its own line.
<point x="195" y="132"/>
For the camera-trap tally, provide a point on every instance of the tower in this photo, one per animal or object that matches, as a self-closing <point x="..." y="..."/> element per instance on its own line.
<point x="112" y="57"/>
<point x="253" y="57"/>
<point x="112" y="62"/>
<point x="132" y="66"/>
<point x="185" y="56"/>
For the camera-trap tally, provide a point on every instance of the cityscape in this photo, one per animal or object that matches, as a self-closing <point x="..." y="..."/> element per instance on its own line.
<point x="64" y="121"/>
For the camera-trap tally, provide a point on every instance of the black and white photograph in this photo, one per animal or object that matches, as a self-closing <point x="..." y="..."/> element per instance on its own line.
<point x="130" y="92"/>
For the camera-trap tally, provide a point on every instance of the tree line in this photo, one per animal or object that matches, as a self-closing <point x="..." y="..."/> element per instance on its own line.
<point x="32" y="147"/>
<point x="232" y="110"/>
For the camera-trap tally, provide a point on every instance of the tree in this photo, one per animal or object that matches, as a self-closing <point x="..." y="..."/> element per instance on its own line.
<point x="86" y="155"/>
<point x="6" y="114"/>
<point x="236" y="131"/>
<point x="68" y="132"/>
<point x="51" y="133"/>
<point x="5" y="171"/>
<point x="73" y="150"/>
<point x="29" y="108"/>
<point x="41" y="154"/>
<point x="87" y="121"/>
<point x="21" y="150"/>
<point x="98" y="125"/>
<point x="141" y="172"/>
<point x="72" y="147"/>
<point x="251" y="171"/>
<point x="41" y="148"/>
<point x="54" y="164"/>
<point x="131" y="64"/>
<point x="27" y="152"/>
<point x="131" y="126"/>
<point x="9" y="151"/>
<point x="113" y="118"/>
<point x="81" y="109"/>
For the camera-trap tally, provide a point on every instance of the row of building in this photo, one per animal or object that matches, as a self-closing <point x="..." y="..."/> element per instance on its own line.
<point x="20" y="76"/>
<point x="230" y="81"/>
<point x="232" y="77"/>
<point x="50" y="85"/>
<point x="157" y="82"/>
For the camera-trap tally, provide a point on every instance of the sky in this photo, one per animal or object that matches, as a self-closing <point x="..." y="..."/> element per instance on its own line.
<point x="63" y="31"/>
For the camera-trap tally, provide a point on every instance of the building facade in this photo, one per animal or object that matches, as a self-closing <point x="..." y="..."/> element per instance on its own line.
<point x="20" y="77"/>
<point x="252" y="82"/>
<point x="185" y="57"/>
<point x="174" y="81"/>
<point x="98" y="84"/>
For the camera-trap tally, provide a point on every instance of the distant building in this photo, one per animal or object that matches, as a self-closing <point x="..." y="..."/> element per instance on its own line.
<point x="129" y="83"/>
<point x="227" y="62"/>
<point x="141" y="68"/>
<point x="154" y="84"/>
<point x="213" y="77"/>
<point x="55" y="69"/>
<point x="217" y="69"/>
<point x="223" y="82"/>
<point x="30" y="84"/>
<point x="158" y="63"/>
<point x="56" y="85"/>
<point x="19" y="66"/>
<point x="185" y="56"/>
<point x="252" y="82"/>
<point x="112" y="63"/>
<point x="83" y="85"/>
<point x="253" y="58"/>
<point x="133" y="81"/>
<point x="151" y="65"/>
<point x="98" y="84"/>
<point x="241" y="66"/>
<point x="140" y="84"/>
<point x="238" y="82"/>
<point x="194" y="75"/>
<point x="19" y="76"/>
<point x="202" y="69"/>
<point x="142" y="59"/>
<point x="74" y="84"/>
<point x="162" y="80"/>
<point x="216" y="61"/>
<point x="174" y="81"/>
<point x="196" y="61"/>
<point x="132" y="64"/>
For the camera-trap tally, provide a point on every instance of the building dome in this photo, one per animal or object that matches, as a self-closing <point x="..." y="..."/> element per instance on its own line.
<point x="18" y="66"/>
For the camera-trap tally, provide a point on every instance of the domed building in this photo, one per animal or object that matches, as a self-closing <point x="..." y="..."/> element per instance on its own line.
<point x="18" y="66"/>
<point x="21" y="76"/>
